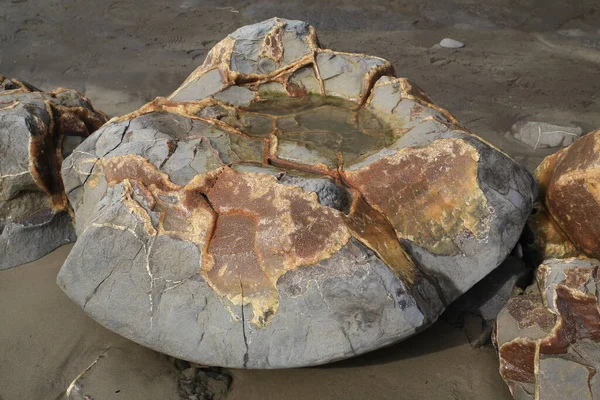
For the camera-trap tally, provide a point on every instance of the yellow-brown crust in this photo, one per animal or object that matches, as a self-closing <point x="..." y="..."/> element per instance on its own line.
<point x="570" y="192"/>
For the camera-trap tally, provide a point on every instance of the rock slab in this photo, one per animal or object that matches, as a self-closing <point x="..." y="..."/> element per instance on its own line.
<point x="287" y="206"/>
<point x="37" y="130"/>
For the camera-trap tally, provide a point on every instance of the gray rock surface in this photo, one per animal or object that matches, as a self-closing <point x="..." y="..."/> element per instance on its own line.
<point x="548" y="338"/>
<point x="476" y="310"/>
<point x="37" y="130"/>
<point x="292" y="221"/>
<point x="541" y="135"/>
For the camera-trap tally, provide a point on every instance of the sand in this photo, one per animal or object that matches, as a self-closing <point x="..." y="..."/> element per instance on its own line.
<point x="539" y="60"/>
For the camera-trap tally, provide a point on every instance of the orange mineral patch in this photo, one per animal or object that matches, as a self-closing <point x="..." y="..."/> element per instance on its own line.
<point x="278" y="228"/>
<point x="250" y="229"/>
<point x="430" y="195"/>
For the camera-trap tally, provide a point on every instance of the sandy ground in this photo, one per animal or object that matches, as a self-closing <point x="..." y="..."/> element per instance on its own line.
<point x="531" y="59"/>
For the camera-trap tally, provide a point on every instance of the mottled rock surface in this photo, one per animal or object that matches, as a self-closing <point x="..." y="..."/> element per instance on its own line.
<point x="541" y="135"/>
<point x="37" y="129"/>
<point x="548" y="339"/>
<point x="567" y="218"/>
<point x="286" y="206"/>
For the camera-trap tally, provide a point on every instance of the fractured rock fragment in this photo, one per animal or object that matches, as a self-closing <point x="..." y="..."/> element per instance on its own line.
<point x="548" y="339"/>
<point x="37" y="129"/>
<point x="567" y="221"/>
<point x="288" y="205"/>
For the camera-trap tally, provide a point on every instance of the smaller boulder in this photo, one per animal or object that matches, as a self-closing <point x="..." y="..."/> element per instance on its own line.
<point x="548" y="338"/>
<point x="541" y="135"/>
<point x="37" y="131"/>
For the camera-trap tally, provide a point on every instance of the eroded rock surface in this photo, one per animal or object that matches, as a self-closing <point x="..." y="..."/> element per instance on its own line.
<point x="567" y="219"/>
<point x="548" y="339"/>
<point x="286" y="206"/>
<point x="37" y="129"/>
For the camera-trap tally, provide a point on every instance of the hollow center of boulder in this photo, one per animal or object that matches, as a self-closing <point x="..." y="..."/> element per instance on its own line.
<point x="317" y="129"/>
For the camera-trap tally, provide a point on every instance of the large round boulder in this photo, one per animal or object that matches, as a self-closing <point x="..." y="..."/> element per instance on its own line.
<point x="37" y="130"/>
<point x="288" y="205"/>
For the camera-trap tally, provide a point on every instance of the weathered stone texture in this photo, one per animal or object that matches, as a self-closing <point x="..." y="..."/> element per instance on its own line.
<point x="567" y="222"/>
<point x="548" y="339"/>
<point x="37" y="129"/>
<point x="286" y="206"/>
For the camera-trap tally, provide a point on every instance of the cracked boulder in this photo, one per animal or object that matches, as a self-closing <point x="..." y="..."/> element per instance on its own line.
<point x="37" y="130"/>
<point x="287" y="206"/>
<point x="567" y="218"/>
<point x="548" y="338"/>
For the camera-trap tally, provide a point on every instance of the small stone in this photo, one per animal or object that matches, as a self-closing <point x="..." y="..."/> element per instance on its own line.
<point x="573" y="32"/>
<point x="451" y="43"/>
<point x="189" y="373"/>
<point x="541" y="135"/>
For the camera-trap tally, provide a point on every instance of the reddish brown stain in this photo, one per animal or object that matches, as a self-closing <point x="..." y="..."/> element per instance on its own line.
<point x="529" y="311"/>
<point x="579" y="319"/>
<point x="431" y="194"/>
<point x="45" y="146"/>
<point x="518" y="361"/>
<point x="251" y="229"/>
<point x="577" y="278"/>
<point x="273" y="44"/>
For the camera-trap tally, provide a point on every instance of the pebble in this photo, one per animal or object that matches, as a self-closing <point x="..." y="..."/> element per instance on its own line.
<point x="451" y="43"/>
